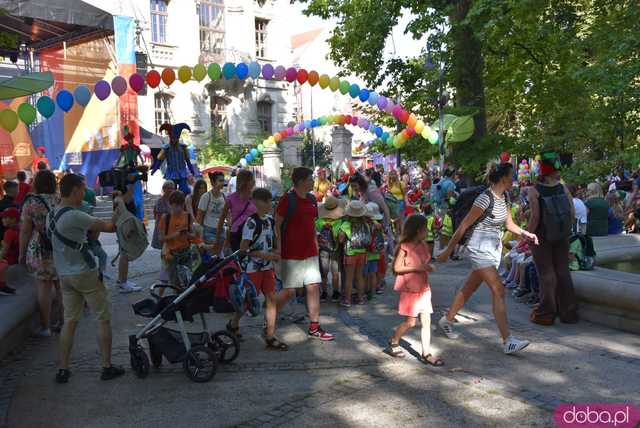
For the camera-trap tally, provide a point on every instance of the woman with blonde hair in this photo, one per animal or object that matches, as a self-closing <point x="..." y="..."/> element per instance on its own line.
<point x="616" y="213"/>
<point x="597" y="211"/>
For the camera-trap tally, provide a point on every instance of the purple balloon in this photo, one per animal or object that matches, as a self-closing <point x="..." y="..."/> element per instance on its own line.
<point x="390" y="106"/>
<point x="365" y="123"/>
<point x="354" y="120"/>
<point x="289" y="131"/>
<point x="296" y="128"/>
<point x="119" y="85"/>
<point x="291" y="74"/>
<point x="280" y="72"/>
<point x="361" y="122"/>
<point x="267" y="71"/>
<point x="382" y="102"/>
<point x="136" y="82"/>
<point x="102" y="90"/>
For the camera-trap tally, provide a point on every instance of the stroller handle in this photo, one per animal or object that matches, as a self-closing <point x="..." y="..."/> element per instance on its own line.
<point x="157" y="286"/>
<point x="204" y="278"/>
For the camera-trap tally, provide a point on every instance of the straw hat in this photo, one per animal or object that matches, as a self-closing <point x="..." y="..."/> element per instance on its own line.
<point x="331" y="208"/>
<point x="356" y="209"/>
<point x="373" y="211"/>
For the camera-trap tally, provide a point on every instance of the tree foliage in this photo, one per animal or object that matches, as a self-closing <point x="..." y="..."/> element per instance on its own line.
<point x="219" y="152"/>
<point x="555" y="73"/>
<point x="322" y="152"/>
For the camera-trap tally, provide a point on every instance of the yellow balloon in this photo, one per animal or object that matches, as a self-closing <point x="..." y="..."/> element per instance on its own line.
<point x="272" y="140"/>
<point x="199" y="72"/>
<point x="184" y="74"/>
<point x="324" y="81"/>
<point x="426" y="132"/>
<point x="334" y="84"/>
<point x="419" y="126"/>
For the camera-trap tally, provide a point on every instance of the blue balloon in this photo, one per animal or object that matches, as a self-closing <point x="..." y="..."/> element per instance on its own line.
<point x="228" y="70"/>
<point x="378" y="131"/>
<point x="82" y="94"/>
<point x="64" y="99"/>
<point x="314" y="123"/>
<point x="248" y="157"/>
<point x="242" y="71"/>
<point x="254" y="153"/>
<point x="364" y="95"/>
<point x="354" y="90"/>
<point x="254" y="70"/>
<point x="384" y="136"/>
<point x="373" y="98"/>
<point x="307" y="124"/>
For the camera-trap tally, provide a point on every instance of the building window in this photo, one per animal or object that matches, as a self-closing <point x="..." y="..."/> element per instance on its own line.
<point x="264" y="116"/>
<point x="159" y="17"/>
<point x="162" y="109"/>
<point x="261" y="37"/>
<point x="218" y="107"/>
<point x="211" y="15"/>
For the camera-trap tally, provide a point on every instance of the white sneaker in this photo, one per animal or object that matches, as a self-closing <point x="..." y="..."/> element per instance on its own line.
<point x="128" y="287"/>
<point x="447" y="327"/>
<point x="513" y="345"/>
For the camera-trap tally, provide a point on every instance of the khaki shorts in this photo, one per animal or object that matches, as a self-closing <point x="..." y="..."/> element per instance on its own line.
<point x="76" y="289"/>
<point x="300" y="273"/>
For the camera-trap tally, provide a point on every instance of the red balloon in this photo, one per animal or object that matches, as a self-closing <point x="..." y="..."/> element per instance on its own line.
<point x="404" y="116"/>
<point x="302" y="76"/>
<point x="410" y="132"/>
<point x="347" y="119"/>
<point x="153" y="78"/>
<point x="505" y="156"/>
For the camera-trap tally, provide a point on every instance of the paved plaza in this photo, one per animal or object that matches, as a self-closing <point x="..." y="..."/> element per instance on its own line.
<point x="348" y="382"/>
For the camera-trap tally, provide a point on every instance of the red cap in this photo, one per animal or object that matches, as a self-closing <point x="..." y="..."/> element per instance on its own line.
<point x="10" y="212"/>
<point x="40" y="149"/>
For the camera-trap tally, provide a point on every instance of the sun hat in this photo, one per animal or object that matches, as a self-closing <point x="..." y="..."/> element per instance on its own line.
<point x="331" y="208"/>
<point x="356" y="209"/>
<point x="373" y="211"/>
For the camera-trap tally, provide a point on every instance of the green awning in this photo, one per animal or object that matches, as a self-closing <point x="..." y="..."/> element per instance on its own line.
<point x="22" y="86"/>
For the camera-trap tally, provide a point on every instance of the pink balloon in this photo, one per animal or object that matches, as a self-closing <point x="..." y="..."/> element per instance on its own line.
<point x="296" y="128"/>
<point x="136" y="82"/>
<point x="279" y="73"/>
<point x="397" y="110"/>
<point x="354" y="120"/>
<point x="390" y="106"/>
<point x="289" y="131"/>
<point x="119" y="85"/>
<point x="291" y="74"/>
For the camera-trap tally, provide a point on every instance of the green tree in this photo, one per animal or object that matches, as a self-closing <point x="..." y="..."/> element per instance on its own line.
<point x="322" y="152"/>
<point x="219" y="152"/>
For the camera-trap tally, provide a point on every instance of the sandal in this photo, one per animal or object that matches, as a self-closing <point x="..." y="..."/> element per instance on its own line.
<point x="234" y="331"/>
<point x="432" y="361"/>
<point x="275" y="345"/>
<point x="395" y="350"/>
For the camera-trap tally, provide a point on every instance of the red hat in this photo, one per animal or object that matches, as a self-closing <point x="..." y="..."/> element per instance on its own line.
<point x="11" y="213"/>
<point x="41" y="150"/>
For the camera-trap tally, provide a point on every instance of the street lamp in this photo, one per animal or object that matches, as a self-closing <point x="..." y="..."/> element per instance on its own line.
<point x="441" y="101"/>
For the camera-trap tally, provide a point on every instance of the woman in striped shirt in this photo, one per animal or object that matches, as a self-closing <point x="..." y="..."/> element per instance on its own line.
<point x="487" y="218"/>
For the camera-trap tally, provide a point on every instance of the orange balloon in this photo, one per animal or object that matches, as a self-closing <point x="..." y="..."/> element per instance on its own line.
<point x="277" y="137"/>
<point x="313" y="77"/>
<point x="411" y="122"/>
<point x="283" y="135"/>
<point x="168" y="76"/>
<point x="340" y="120"/>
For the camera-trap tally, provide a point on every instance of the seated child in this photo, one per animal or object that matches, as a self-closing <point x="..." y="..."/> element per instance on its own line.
<point x="10" y="249"/>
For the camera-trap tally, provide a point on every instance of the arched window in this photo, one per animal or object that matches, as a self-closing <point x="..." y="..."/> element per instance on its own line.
<point x="162" y="109"/>
<point x="264" y="116"/>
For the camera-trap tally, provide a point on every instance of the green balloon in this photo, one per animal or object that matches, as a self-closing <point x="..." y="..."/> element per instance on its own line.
<point x="323" y="120"/>
<point x="344" y="87"/>
<point x="8" y="119"/>
<point x="27" y="113"/>
<point x="214" y="71"/>
<point x="334" y="84"/>
<point x="260" y="148"/>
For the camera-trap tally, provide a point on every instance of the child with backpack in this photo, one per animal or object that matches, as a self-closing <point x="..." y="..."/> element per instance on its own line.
<point x="375" y="251"/>
<point x="355" y="234"/>
<point x="330" y="215"/>
<point x="411" y="266"/>
<point x="176" y="235"/>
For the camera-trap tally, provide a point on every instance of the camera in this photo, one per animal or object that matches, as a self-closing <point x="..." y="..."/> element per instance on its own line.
<point x="120" y="177"/>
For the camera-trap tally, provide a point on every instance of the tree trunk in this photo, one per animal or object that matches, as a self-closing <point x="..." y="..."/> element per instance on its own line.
<point x="467" y="67"/>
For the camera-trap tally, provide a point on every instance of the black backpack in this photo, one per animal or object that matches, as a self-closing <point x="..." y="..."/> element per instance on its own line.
<point x="45" y="239"/>
<point x="463" y="206"/>
<point x="292" y="203"/>
<point x="556" y="221"/>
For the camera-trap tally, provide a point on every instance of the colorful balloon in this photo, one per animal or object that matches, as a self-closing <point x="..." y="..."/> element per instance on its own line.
<point x="254" y="153"/>
<point x="153" y="79"/>
<point x="412" y="120"/>
<point x="242" y="71"/>
<point x="243" y="162"/>
<point x="248" y="157"/>
<point x="228" y="71"/>
<point x="313" y="77"/>
<point x="64" y="99"/>
<point x="382" y="102"/>
<point x="8" y="120"/>
<point x="119" y="85"/>
<point x="82" y="95"/>
<point x="291" y="74"/>
<point x="267" y="71"/>
<point x="136" y="83"/>
<point x="27" y="113"/>
<point x="46" y="107"/>
<point x="373" y="98"/>
<point x="102" y="91"/>
<point x="363" y="95"/>
<point x="214" y="71"/>
<point x="354" y="90"/>
<point x="390" y="106"/>
<point x="344" y="87"/>
<point x="419" y="126"/>
<point x="260" y="148"/>
<point x="404" y="115"/>
<point x="324" y="81"/>
<point x="168" y="76"/>
<point x="302" y="76"/>
<point x="199" y="72"/>
<point x="378" y="131"/>
<point x="277" y="137"/>
<point x="279" y="73"/>
<point x="254" y="70"/>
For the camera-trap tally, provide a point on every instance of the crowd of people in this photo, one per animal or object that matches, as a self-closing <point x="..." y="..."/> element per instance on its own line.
<point x="326" y="239"/>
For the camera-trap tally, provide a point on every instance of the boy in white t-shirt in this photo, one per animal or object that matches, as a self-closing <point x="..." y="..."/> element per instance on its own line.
<point x="210" y="207"/>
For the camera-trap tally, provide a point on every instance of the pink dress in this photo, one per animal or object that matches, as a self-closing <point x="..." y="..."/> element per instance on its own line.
<point x="415" y="293"/>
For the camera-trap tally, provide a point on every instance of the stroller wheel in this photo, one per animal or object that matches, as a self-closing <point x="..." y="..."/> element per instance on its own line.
<point x="200" y="364"/>
<point x="225" y="345"/>
<point x="140" y="363"/>
<point x="156" y="356"/>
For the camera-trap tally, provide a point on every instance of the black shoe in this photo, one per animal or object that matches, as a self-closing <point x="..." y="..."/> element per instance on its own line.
<point x="7" y="291"/>
<point x="63" y="376"/>
<point x="112" y="372"/>
<point x="520" y="292"/>
<point x="323" y="296"/>
<point x="335" y="297"/>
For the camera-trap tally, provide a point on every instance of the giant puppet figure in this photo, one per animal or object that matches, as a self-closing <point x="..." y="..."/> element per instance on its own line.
<point x="176" y="155"/>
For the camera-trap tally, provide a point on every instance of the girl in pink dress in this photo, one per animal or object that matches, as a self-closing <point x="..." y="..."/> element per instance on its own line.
<point x="411" y="266"/>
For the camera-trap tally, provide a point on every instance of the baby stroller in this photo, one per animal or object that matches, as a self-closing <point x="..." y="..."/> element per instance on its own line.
<point x="198" y="352"/>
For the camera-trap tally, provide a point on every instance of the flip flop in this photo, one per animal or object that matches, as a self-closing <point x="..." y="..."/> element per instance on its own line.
<point x="431" y="360"/>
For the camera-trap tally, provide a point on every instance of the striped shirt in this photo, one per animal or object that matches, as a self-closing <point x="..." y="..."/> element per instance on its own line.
<point x="495" y="223"/>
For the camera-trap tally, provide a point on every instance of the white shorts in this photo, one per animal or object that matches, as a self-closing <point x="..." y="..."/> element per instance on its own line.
<point x="300" y="273"/>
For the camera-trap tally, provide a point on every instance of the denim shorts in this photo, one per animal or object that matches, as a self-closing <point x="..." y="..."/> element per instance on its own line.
<point x="371" y="267"/>
<point x="210" y="234"/>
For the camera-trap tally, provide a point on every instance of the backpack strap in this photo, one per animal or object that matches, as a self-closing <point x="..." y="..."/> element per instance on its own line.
<point x="292" y="204"/>
<point x="77" y="246"/>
